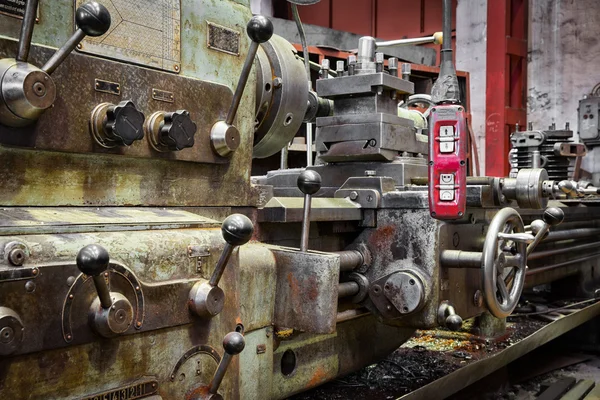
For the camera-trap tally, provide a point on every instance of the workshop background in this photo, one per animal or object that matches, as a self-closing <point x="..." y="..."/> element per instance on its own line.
<point x="491" y="42"/>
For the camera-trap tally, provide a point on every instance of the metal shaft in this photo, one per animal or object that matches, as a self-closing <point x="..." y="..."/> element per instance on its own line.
<point x="350" y="259"/>
<point x="221" y="264"/>
<point x="406" y="42"/>
<point x="27" y="30"/>
<point x="347" y="289"/>
<point x="538" y="238"/>
<point x="570" y="249"/>
<point x="239" y="90"/>
<point x="447" y="30"/>
<point x="219" y="373"/>
<point x="63" y="52"/>
<point x="103" y="292"/>
<point x="309" y="140"/>
<point x="305" y="222"/>
<point x="461" y="259"/>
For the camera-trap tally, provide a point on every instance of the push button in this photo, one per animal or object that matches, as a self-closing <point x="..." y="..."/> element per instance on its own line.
<point x="447" y="179"/>
<point x="446" y="147"/>
<point x="446" y="139"/>
<point x="447" y="130"/>
<point x="446" y="195"/>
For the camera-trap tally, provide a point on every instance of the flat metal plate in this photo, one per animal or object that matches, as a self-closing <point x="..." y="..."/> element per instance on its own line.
<point x="144" y="32"/>
<point x="15" y="221"/>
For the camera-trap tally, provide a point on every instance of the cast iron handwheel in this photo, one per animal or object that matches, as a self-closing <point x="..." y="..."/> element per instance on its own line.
<point x="503" y="263"/>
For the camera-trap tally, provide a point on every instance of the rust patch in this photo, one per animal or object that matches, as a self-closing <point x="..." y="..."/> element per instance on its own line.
<point x="318" y="377"/>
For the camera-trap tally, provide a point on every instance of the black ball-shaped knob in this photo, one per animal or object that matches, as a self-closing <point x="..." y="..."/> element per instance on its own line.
<point x="92" y="260"/>
<point x="309" y="182"/>
<point x="178" y="130"/>
<point x="260" y="29"/>
<point x="553" y="216"/>
<point x="237" y="229"/>
<point x="454" y="322"/>
<point x="93" y="18"/>
<point x="124" y="123"/>
<point x="234" y="343"/>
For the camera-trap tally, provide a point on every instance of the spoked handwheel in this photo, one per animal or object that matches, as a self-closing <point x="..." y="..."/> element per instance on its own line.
<point x="503" y="262"/>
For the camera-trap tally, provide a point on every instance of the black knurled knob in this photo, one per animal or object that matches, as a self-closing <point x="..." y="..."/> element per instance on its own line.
<point x="93" y="260"/>
<point x="237" y="229"/>
<point x="124" y="123"/>
<point x="553" y="216"/>
<point x="234" y="343"/>
<point x="309" y="182"/>
<point x="260" y="29"/>
<point x="178" y="130"/>
<point x="93" y="18"/>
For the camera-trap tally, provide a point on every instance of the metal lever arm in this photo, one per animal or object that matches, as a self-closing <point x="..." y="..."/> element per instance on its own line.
<point x="233" y="344"/>
<point x="93" y="260"/>
<point x="207" y="298"/>
<point x="224" y="135"/>
<point x="540" y="227"/>
<point x="93" y="19"/>
<point x="309" y="183"/>
<point x="27" y="30"/>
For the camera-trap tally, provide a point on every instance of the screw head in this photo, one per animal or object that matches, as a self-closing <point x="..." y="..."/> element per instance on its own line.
<point x="16" y="257"/>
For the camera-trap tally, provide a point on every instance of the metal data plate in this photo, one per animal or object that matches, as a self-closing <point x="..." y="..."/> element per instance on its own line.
<point x="15" y="8"/>
<point x="145" y="32"/>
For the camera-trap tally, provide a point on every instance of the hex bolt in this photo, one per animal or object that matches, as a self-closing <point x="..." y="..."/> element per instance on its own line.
<point x="353" y="195"/>
<point x="339" y="68"/>
<point x="393" y="66"/>
<point x="351" y="65"/>
<point x="406" y="71"/>
<point x="325" y="69"/>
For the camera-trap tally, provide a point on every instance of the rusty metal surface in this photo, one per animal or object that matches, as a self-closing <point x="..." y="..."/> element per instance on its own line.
<point x="65" y="127"/>
<point x="306" y="290"/>
<point x="38" y="178"/>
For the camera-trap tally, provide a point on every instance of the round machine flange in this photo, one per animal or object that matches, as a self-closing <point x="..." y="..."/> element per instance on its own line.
<point x="503" y="263"/>
<point x="282" y="96"/>
<point x="11" y="331"/>
<point x="112" y="321"/>
<point x="405" y="291"/>
<point x="363" y="286"/>
<point x="530" y="188"/>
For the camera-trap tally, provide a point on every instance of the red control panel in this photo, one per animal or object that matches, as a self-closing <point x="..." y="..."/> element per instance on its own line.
<point x="447" y="162"/>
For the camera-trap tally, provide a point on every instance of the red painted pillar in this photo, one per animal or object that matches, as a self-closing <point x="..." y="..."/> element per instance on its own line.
<point x="506" y="106"/>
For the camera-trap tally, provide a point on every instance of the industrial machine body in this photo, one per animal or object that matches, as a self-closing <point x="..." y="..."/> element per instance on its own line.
<point x="140" y="259"/>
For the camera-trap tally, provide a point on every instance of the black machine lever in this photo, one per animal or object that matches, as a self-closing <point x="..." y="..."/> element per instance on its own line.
<point x="207" y="298"/>
<point x="233" y="344"/>
<point x="309" y="183"/>
<point x="93" y="260"/>
<point x="93" y="19"/>
<point x="26" y="91"/>
<point x="225" y="137"/>
<point x="110" y="313"/>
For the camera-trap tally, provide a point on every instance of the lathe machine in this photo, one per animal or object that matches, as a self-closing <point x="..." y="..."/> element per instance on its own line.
<point x="140" y="259"/>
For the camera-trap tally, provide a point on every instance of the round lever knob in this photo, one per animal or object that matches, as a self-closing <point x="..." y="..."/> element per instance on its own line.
<point x="237" y="229"/>
<point x="234" y="343"/>
<point x="93" y="260"/>
<point x="553" y="216"/>
<point x="178" y="130"/>
<point x="93" y="18"/>
<point x="260" y="29"/>
<point x="309" y="182"/>
<point x="124" y="123"/>
<point x="454" y="322"/>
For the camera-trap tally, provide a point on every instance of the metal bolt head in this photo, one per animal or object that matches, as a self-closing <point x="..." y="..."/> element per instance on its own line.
<point x="16" y="257"/>
<point x="478" y="298"/>
<point x="406" y="69"/>
<point x="325" y="64"/>
<point x="379" y="58"/>
<point x="277" y="82"/>
<point x="353" y="195"/>
<point x="352" y="59"/>
<point x="30" y="286"/>
<point x="339" y="66"/>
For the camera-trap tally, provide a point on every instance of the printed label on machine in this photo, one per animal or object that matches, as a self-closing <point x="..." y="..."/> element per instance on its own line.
<point x="13" y="8"/>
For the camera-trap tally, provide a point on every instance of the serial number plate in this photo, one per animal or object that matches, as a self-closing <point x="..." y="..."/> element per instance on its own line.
<point x="136" y="391"/>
